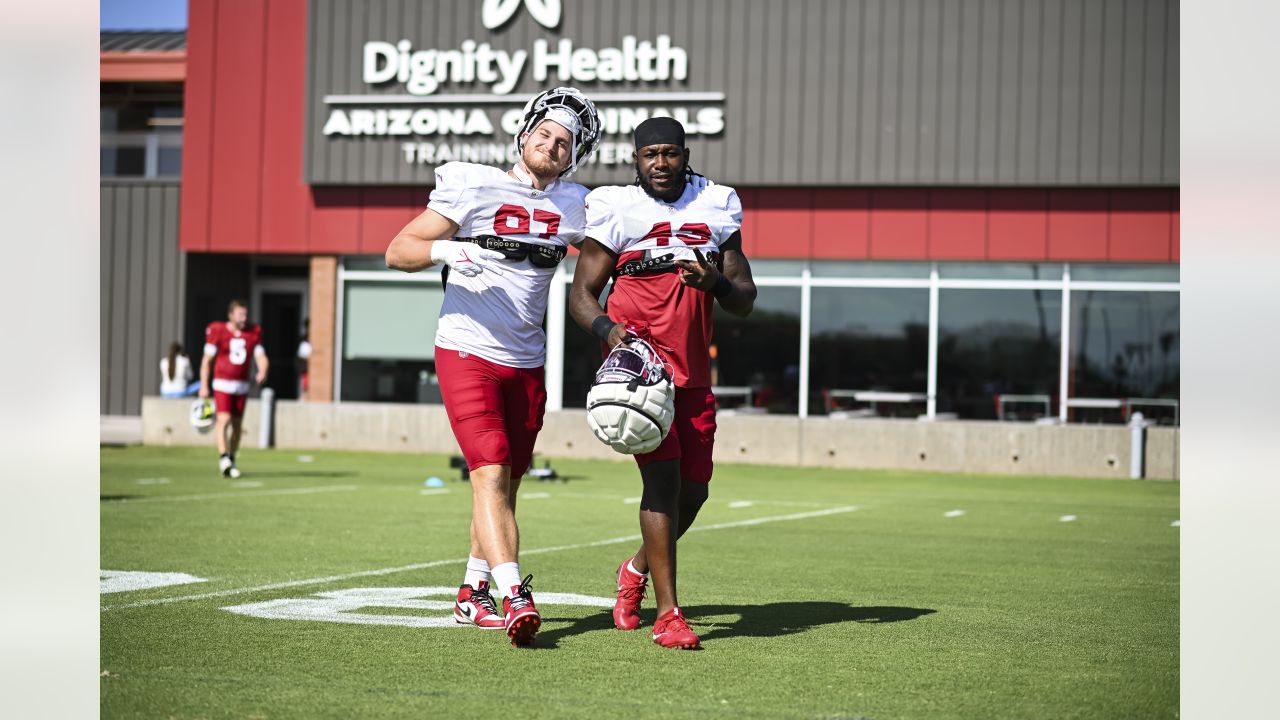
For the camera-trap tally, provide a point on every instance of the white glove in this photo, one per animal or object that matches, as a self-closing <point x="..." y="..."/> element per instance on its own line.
<point x="464" y="257"/>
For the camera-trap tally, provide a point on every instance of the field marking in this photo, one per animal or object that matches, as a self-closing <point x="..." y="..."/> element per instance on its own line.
<point x="214" y="496"/>
<point x="741" y="504"/>
<point x="953" y="513"/>
<point x="436" y="491"/>
<point x="154" y="481"/>
<point x="1176" y="523"/>
<point x="535" y="496"/>
<point x="306" y="458"/>
<point x="114" y="581"/>
<point x="630" y="500"/>
<point x="1067" y="518"/>
<point x="336" y="606"/>
<point x="455" y="561"/>
<point x="246" y="484"/>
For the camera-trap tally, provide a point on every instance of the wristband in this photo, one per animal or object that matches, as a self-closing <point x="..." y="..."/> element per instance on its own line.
<point x="601" y="327"/>
<point x="722" y="287"/>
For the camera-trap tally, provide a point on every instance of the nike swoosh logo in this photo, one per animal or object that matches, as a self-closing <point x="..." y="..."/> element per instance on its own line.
<point x="465" y="610"/>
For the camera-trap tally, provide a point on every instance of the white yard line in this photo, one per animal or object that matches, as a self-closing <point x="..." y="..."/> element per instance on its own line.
<point x="455" y="561"/>
<point x="260" y="493"/>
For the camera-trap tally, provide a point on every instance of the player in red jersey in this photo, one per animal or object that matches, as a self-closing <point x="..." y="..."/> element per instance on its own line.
<point x="227" y="349"/>
<point x="501" y="235"/>
<point x="673" y="246"/>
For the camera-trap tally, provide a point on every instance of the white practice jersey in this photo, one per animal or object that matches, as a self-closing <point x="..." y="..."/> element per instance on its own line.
<point x="639" y="228"/>
<point x="625" y="219"/>
<point x="498" y="316"/>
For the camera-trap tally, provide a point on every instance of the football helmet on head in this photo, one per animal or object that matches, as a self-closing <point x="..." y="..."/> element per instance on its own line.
<point x="202" y="415"/>
<point x="632" y="402"/>
<point x="570" y="108"/>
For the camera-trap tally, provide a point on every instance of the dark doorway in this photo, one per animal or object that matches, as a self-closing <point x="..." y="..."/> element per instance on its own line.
<point x="281" y="316"/>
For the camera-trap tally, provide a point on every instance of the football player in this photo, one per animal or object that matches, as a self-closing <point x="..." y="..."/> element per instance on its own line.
<point x="672" y="245"/>
<point x="227" y="348"/>
<point x="500" y="235"/>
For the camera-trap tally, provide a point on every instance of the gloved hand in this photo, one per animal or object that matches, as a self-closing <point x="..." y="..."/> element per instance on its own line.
<point x="466" y="258"/>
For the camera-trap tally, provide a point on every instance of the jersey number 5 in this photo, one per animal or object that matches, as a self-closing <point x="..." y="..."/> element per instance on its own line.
<point x="514" y="220"/>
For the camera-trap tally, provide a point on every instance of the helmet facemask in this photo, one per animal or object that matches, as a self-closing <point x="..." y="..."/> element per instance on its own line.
<point x="571" y="109"/>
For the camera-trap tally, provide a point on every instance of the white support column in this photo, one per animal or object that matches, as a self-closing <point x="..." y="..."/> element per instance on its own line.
<point x="806" y="308"/>
<point x="555" y="341"/>
<point x="1064" y="362"/>
<point x="931" y="402"/>
<point x="337" y="332"/>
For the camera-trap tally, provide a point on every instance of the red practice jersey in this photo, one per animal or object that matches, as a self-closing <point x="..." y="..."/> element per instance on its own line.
<point x="637" y="228"/>
<point x="233" y="350"/>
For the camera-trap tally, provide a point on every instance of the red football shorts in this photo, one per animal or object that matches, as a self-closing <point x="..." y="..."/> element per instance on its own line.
<point x="228" y="403"/>
<point x="692" y="436"/>
<point x="495" y="410"/>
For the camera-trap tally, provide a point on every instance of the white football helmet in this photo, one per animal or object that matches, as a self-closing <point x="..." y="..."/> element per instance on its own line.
<point x="632" y="402"/>
<point x="572" y="108"/>
<point x="202" y="415"/>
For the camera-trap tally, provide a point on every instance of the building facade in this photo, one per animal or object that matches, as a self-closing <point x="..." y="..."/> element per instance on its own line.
<point x="953" y="210"/>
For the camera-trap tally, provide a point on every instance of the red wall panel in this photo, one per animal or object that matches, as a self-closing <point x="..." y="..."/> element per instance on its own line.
<point x="957" y="224"/>
<point x="193" y="233"/>
<point x="1175" y="234"/>
<point x="1018" y="225"/>
<point x="1078" y="224"/>
<point x="783" y="223"/>
<point x="384" y="212"/>
<point x="899" y="224"/>
<point x="335" y="220"/>
<point x="236" y="199"/>
<point x="286" y="198"/>
<point x="841" y="224"/>
<point x="1141" y="226"/>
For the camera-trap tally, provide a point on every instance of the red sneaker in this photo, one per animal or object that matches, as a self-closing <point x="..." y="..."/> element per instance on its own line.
<point x="671" y="631"/>
<point x="631" y="587"/>
<point x="522" y="617"/>
<point x="475" y="607"/>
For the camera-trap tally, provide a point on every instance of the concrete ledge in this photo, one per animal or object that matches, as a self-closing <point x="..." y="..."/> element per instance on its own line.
<point x="167" y="422"/>
<point x="954" y="446"/>
<point x="119" y="429"/>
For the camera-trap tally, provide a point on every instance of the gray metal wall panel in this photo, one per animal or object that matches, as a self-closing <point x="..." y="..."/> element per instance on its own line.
<point x="1169" y="107"/>
<point x="142" y="287"/>
<point x="823" y="92"/>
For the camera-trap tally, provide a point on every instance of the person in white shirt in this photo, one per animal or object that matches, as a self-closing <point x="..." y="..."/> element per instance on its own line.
<point x="509" y="231"/>
<point x="176" y="377"/>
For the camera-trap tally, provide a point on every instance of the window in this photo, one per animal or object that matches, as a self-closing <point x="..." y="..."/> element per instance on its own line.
<point x="998" y="343"/>
<point x="1124" y="349"/>
<point x="868" y="339"/>
<point x="756" y="362"/>
<point x="388" y="340"/>
<point x="141" y="130"/>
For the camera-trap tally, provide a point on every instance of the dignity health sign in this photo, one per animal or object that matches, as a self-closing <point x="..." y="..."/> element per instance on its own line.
<point x="464" y="101"/>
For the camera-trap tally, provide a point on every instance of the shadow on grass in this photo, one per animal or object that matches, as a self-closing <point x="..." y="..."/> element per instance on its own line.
<point x="768" y="620"/>
<point x="116" y="498"/>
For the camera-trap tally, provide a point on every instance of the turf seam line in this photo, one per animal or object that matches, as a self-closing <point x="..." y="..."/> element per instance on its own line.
<point x="437" y="563"/>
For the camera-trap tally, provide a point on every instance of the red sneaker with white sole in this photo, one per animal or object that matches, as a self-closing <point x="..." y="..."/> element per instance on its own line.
<point x="523" y="620"/>
<point x="671" y="631"/>
<point x="475" y="606"/>
<point x="631" y="587"/>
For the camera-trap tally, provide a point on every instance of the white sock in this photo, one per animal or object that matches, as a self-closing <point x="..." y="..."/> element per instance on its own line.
<point x="506" y="576"/>
<point x="631" y="565"/>
<point x="477" y="572"/>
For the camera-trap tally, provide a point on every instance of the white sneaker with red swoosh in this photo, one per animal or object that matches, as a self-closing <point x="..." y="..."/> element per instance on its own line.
<point x="475" y="606"/>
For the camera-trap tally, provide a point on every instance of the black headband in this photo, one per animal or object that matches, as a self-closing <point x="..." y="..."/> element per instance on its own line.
<point x="659" y="131"/>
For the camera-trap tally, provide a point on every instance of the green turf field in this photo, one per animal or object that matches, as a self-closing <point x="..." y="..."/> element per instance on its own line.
<point x="858" y="595"/>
